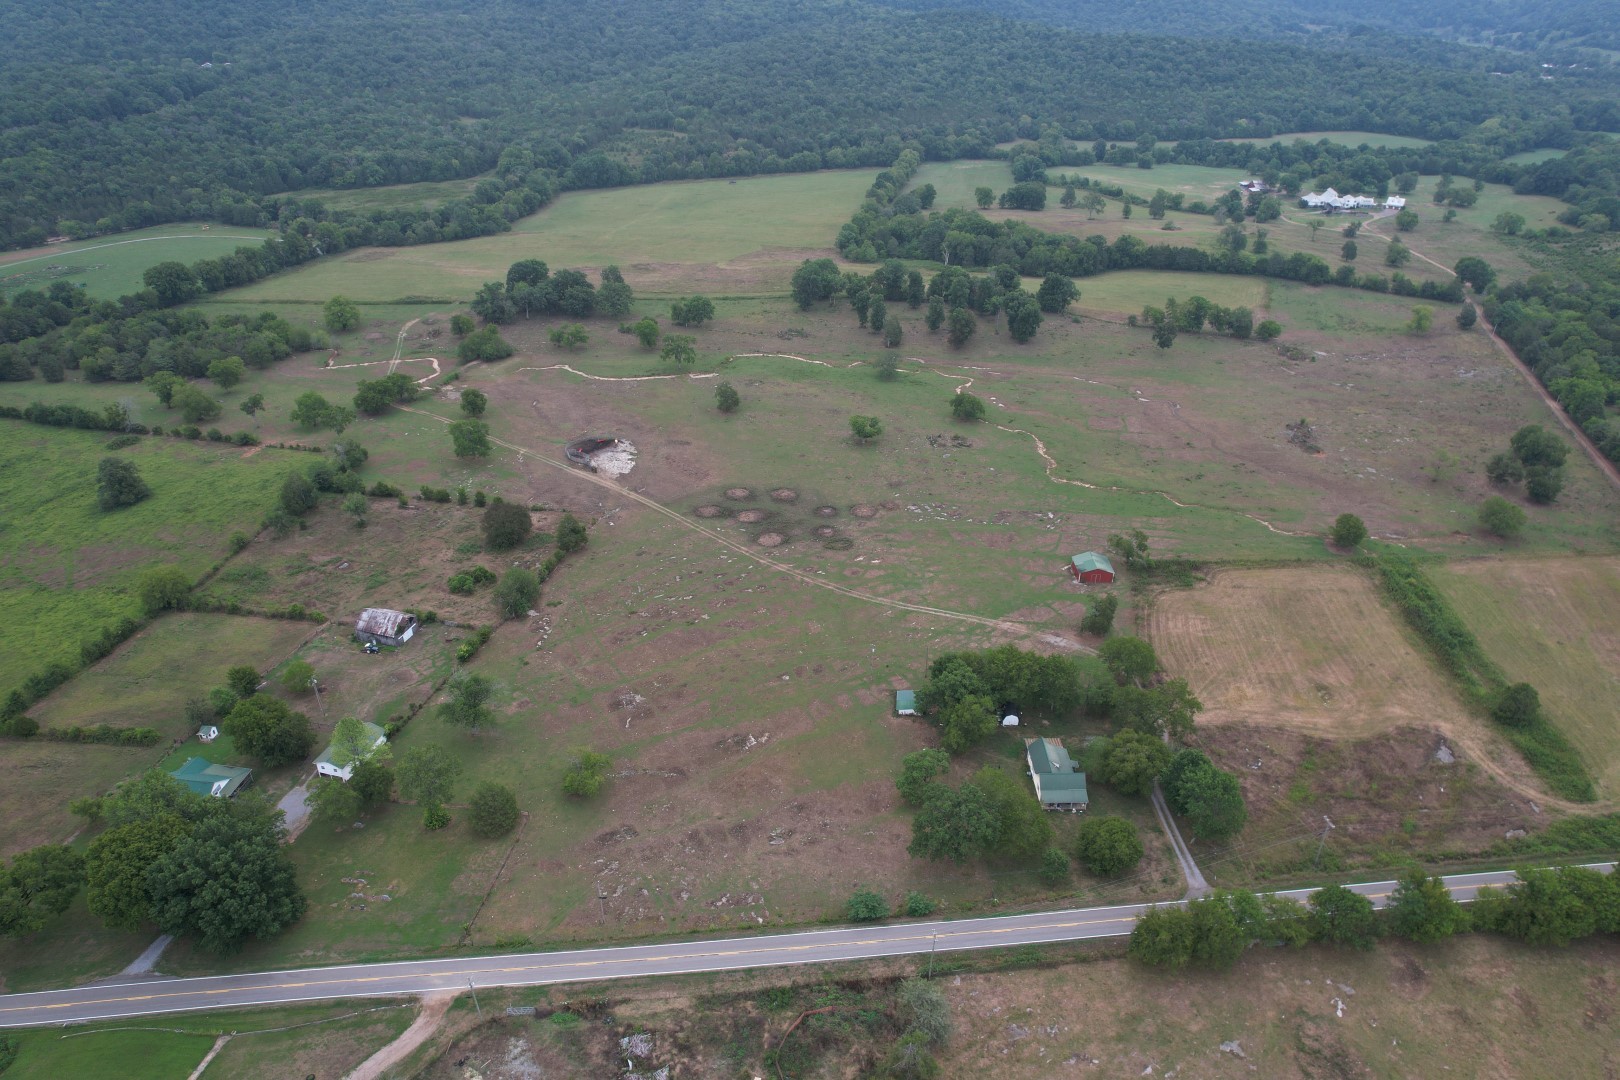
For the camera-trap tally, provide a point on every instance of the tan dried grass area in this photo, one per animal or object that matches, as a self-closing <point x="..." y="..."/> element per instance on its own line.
<point x="1311" y="649"/>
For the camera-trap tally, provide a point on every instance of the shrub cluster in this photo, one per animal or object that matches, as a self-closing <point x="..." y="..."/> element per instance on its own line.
<point x="467" y="581"/>
<point x="469" y="648"/>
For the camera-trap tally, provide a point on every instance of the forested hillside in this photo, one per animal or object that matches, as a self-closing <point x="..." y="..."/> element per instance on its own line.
<point x="135" y="114"/>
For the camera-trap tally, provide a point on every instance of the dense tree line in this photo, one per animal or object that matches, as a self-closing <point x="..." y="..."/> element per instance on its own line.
<point x="147" y="112"/>
<point x="61" y="329"/>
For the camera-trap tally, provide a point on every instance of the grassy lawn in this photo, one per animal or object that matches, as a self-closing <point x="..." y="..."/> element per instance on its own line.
<point x="69" y="567"/>
<point x="323" y="1040"/>
<point x="158" y="1055"/>
<point x="111" y="266"/>
<point x="1534" y="157"/>
<point x="147" y="681"/>
<point x="1550" y="622"/>
<point x="751" y="232"/>
<point x="1124" y="292"/>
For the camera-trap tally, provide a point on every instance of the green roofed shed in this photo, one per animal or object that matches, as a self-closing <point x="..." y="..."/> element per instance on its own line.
<point x="206" y="778"/>
<point x="1092" y="568"/>
<point x="905" y="703"/>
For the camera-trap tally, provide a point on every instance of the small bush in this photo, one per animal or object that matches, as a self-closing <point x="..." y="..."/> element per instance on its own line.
<point x="866" y="906"/>
<point x="435" y="817"/>
<point x="918" y="905"/>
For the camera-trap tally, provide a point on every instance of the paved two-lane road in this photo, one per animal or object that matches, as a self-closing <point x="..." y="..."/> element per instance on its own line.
<point x="151" y="996"/>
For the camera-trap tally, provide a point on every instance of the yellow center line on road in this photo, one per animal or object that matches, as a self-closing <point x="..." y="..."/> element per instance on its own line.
<point x="582" y="963"/>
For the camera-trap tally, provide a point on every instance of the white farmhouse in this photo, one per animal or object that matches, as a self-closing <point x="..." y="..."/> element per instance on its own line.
<point x="327" y="764"/>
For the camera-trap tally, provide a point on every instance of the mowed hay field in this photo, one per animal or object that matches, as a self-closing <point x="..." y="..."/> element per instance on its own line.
<point x="1554" y="623"/>
<point x="111" y="266"/>
<point x="740" y="236"/>
<point x="1312" y="649"/>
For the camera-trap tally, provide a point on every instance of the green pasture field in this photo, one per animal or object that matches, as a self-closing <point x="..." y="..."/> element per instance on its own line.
<point x="159" y="1055"/>
<point x="1345" y="138"/>
<point x="1124" y="292"/>
<point x="326" y="1039"/>
<point x="955" y="181"/>
<point x="719" y="649"/>
<point x="392" y="196"/>
<point x="140" y="685"/>
<point x="111" y="266"/>
<point x="1534" y="157"/>
<point x="1550" y="622"/>
<point x="69" y="567"/>
<point x="1193" y="181"/>
<point x="773" y="221"/>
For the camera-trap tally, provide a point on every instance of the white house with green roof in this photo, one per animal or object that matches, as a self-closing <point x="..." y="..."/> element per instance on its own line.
<point x="1059" y="783"/>
<point x="339" y="763"/>
<point x="206" y="778"/>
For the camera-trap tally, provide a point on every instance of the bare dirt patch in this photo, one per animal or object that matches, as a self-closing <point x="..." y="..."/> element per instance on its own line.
<point x="770" y="539"/>
<point x="784" y="495"/>
<point x="739" y="493"/>
<point x="708" y="511"/>
<point x="864" y="510"/>
<point x="752" y="517"/>
<point x="824" y="532"/>
<point x="827" y="511"/>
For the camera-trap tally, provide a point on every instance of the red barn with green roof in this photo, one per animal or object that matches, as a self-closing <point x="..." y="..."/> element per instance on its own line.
<point x="1092" y="568"/>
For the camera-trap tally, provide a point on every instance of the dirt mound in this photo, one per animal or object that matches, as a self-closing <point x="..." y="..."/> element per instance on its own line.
<point x="890" y="504"/>
<point x="862" y="510"/>
<point x="826" y="511"/>
<point x="825" y="532"/>
<point x="770" y="539"/>
<point x="786" y="495"/>
<point x="739" y="493"/>
<point x="752" y="517"/>
<point x="708" y="511"/>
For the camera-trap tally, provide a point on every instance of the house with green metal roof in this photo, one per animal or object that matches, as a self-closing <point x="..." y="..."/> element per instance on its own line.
<point x="1091" y="568"/>
<point x="905" y="703"/>
<point x="1059" y="783"/>
<point x="206" y="778"/>
<point x="328" y="763"/>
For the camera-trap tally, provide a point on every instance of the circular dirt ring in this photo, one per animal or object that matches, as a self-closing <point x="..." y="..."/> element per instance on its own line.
<point x="862" y="510"/>
<point x="825" y="532"/>
<point x="752" y="517"/>
<point x="708" y="511"/>
<point x="826" y="511"/>
<point x="786" y="495"/>
<point x="739" y="493"/>
<point x="770" y="539"/>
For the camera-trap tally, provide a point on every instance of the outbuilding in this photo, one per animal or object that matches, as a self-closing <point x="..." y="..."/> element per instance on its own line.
<point x="1091" y="568"/>
<point x="384" y="626"/>
<point x="905" y="703"/>
<point x="206" y="778"/>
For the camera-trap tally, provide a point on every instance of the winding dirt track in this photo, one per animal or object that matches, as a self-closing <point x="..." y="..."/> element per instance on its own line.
<point x="1608" y="468"/>
<point x="744" y="549"/>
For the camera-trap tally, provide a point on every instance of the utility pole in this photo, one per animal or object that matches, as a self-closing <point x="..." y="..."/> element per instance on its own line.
<point x="1323" y="843"/>
<point x="474" y="990"/>
<point x="932" y="949"/>
<point x="315" y="685"/>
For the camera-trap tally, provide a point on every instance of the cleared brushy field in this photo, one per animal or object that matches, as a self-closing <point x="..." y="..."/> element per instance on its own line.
<point x="1312" y="649"/>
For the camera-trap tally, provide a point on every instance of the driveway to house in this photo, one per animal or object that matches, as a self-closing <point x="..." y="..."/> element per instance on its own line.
<point x="295" y="804"/>
<point x="106" y="1002"/>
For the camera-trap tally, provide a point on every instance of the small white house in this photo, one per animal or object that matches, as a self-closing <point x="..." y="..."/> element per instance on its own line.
<point x="207" y="733"/>
<point x="1394" y="202"/>
<point x="328" y="765"/>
